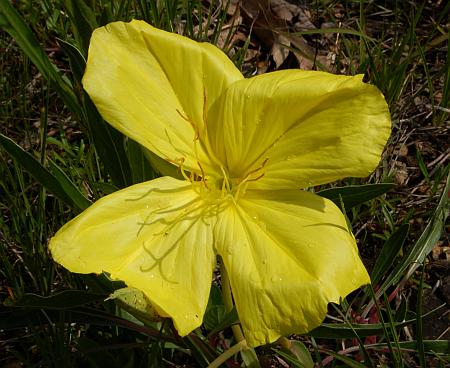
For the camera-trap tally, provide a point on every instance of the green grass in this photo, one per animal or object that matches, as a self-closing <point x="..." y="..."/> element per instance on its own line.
<point x="61" y="156"/>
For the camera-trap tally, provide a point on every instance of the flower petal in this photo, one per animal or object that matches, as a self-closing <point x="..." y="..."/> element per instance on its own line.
<point x="156" y="87"/>
<point x="288" y="253"/>
<point x="311" y="127"/>
<point x="155" y="237"/>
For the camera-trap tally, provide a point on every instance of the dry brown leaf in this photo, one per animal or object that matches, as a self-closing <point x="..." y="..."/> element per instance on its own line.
<point x="279" y="50"/>
<point x="272" y="21"/>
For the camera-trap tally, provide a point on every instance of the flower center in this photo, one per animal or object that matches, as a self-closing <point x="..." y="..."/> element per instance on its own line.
<point x="225" y="188"/>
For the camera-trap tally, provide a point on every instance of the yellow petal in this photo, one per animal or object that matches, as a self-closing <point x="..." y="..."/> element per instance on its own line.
<point x="288" y="253"/>
<point x="156" y="87"/>
<point x="156" y="237"/>
<point x="311" y="127"/>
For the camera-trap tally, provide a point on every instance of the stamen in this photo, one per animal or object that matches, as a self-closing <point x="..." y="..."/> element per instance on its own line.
<point x="238" y="191"/>
<point x="254" y="179"/>
<point x="189" y="179"/>
<point x="247" y="177"/>
<point x="203" y="174"/>
<point x="259" y="168"/>
<point x="193" y="125"/>
<point x="225" y="179"/>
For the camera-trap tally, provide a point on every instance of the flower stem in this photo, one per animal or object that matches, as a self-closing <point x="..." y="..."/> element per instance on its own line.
<point x="228" y="301"/>
<point x="227" y="354"/>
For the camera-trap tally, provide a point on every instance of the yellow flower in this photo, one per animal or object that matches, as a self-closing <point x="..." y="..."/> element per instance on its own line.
<point x="246" y="148"/>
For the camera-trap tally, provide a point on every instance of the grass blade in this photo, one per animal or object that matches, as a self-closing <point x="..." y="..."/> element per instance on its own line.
<point x="108" y="142"/>
<point x="58" y="301"/>
<point x="139" y="165"/>
<point x="388" y="253"/>
<point x="428" y="238"/>
<point x="69" y="187"/>
<point x="419" y="322"/>
<point x="12" y="22"/>
<point x="59" y="185"/>
<point x="349" y="362"/>
<point x="83" y="21"/>
<point x="353" y="195"/>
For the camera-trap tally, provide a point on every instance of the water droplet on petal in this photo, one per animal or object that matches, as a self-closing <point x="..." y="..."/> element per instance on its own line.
<point x="253" y="278"/>
<point x="276" y="278"/>
<point x="230" y="249"/>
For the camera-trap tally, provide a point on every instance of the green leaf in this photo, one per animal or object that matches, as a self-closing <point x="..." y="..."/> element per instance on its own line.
<point x="430" y="346"/>
<point x="250" y="358"/>
<point x="106" y="188"/>
<point x="76" y="59"/>
<point x="101" y="283"/>
<point x="94" y="354"/>
<point x="228" y="320"/>
<point x="424" y="244"/>
<point x="108" y="142"/>
<point x="215" y="310"/>
<point x="59" y="184"/>
<point x="390" y="250"/>
<point x="162" y="166"/>
<point x="69" y="187"/>
<point x="214" y="316"/>
<point x="202" y="352"/>
<point x="344" y="331"/>
<point x="332" y="30"/>
<point x="419" y="320"/>
<point x="58" y="301"/>
<point x="355" y="194"/>
<point x="83" y="21"/>
<point x="13" y="318"/>
<point x="12" y="22"/>
<point x="294" y="362"/>
<point x="297" y="354"/>
<point x="301" y="352"/>
<point x="432" y="232"/>
<point x="141" y="169"/>
<point x="349" y="362"/>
